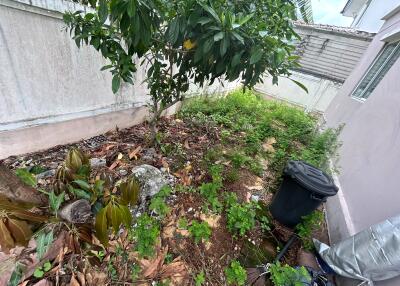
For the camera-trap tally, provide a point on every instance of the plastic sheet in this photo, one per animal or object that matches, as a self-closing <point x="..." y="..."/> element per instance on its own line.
<point x="370" y="255"/>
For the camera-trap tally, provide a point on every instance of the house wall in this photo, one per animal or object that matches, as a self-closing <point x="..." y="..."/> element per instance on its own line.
<point x="47" y="83"/>
<point x="369" y="18"/>
<point x="320" y="91"/>
<point x="369" y="157"/>
<point x="327" y="57"/>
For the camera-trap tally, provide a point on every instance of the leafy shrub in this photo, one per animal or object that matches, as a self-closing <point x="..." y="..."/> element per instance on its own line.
<point x="240" y="217"/>
<point x="289" y="276"/>
<point x="235" y="274"/>
<point x="309" y="224"/>
<point x="145" y="234"/>
<point x="200" y="231"/>
<point x="210" y="192"/>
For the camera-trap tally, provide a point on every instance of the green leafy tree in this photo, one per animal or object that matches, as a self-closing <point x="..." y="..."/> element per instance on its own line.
<point x="187" y="41"/>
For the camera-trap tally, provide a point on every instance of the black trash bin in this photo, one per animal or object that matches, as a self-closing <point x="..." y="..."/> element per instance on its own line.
<point x="303" y="189"/>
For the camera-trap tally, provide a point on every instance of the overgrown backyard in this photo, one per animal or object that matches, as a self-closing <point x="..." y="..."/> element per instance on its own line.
<point x="216" y="166"/>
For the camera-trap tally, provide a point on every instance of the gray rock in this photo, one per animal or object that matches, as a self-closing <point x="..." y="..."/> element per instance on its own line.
<point x="151" y="181"/>
<point x="149" y="154"/>
<point x="97" y="162"/>
<point x="46" y="174"/>
<point x="123" y="172"/>
<point x="76" y="212"/>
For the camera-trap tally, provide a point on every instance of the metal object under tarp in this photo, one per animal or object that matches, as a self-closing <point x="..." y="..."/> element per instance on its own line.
<point x="370" y="255"/>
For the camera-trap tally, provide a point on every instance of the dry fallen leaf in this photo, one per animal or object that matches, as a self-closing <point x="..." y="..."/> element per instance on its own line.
<point x="113" y="165"/>
<point x="73" y="281"/>
<point x="212" y="220"/>
<point x="186" y="144"/>
<point x="268" y="145"/>
<point x="135" y="153"/>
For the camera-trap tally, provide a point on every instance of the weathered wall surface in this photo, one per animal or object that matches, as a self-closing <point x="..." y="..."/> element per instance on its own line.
<point x="47" y="83"/>
<point x="328" y="54"/>
<point x="369" y="157"/>
<point x="320" y="91"/>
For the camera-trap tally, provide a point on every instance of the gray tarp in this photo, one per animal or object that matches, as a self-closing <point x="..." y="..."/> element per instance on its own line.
<point x="370" y="255"/>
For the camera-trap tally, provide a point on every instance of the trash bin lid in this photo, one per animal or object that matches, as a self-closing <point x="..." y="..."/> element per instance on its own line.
<point x="311" y="178"/>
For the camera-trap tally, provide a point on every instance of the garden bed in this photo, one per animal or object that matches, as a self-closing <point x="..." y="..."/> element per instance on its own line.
<point x="197" y="231"/>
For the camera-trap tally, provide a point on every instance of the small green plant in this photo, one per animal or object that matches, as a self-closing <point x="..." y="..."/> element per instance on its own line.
<point x="40" y="271"/>
<point x="135" y="271"/>
<point x="112" y="271"/>
<point x="200" y="278"/>
<point x="158" y="204"/>
<point x="145" y="234"/>
<point x="309" y="224"/>
<point x="289" y="276"/>
<point x="210" y="192"/>
<point x="183" y="223"/>
<point x="240" y="217"/>
<point x="200" y="231"/>
<point x="56" y="201"/>
<point x="235" y="274"/>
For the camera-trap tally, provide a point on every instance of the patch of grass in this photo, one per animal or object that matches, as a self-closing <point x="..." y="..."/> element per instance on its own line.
<point x="251" y="120"/>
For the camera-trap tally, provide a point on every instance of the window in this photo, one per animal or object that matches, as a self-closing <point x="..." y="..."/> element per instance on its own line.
<point x="378" y="69"/>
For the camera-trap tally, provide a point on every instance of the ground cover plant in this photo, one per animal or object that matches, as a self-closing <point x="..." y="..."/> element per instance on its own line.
<point x="225" y="155"/>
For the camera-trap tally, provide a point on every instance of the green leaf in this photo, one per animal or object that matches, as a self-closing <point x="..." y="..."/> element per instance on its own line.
<point x="56" y="201"/>
<point x="47" y="266"/>
<point x="106" y="67"/>
<point x="116" y="217"/>
<point x="131" y="9"/>
<point x="16" y="276"/>
<point x="236" y="59"/>
<point x="204" y="20"/>
<point x="207" y="45"/>
<point x="173" y="31"/>
<point x="126" y="216"/>
<point x="43" y="242"/>
<point x="83" y="185"/>
<point x="224" y="46"/>
<point x="103" y="11"/>
<point x="39" y="273"/>
<point x="302" y="86"/>
<point x="219" y="36"/>
<point x="212" y="12"/>
<point x="116" y="81"/>
<point x="101" y="226"/>
<point x="256" y="56"/>
<point x="238" y="37"/>
<point x="26" y="177"/>
<point x="245" y="19"/>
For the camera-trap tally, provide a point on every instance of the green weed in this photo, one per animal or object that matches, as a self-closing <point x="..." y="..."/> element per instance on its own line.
<point x="200" y="231"/>
<point x="235" y="274"/>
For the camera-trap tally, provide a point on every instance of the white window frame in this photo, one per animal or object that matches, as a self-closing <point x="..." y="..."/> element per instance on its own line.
<point x="377" y="73"/>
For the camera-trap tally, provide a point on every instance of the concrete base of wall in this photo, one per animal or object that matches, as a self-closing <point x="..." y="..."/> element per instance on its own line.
<point x="25" y="140"/>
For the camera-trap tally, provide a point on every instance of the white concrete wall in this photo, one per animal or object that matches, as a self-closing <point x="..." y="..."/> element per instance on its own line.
<point x="45" y="79"/>
<point x="320" y="91"/>
<point x="369" y="18"/>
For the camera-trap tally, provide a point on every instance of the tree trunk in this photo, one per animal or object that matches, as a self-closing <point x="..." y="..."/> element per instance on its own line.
<point x="14" y="190"/>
